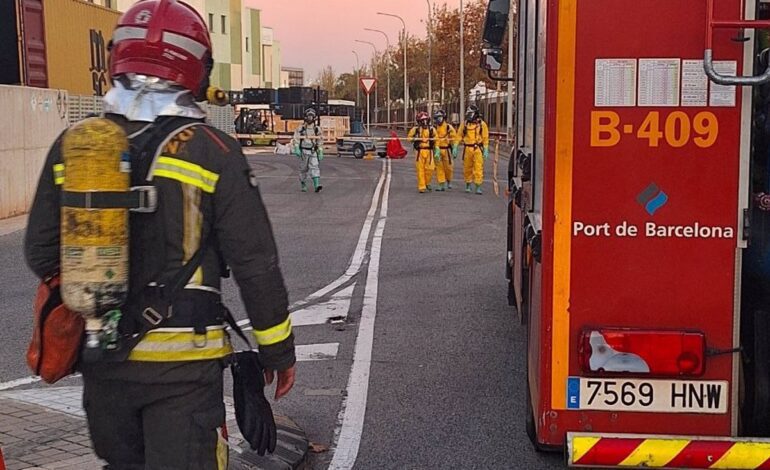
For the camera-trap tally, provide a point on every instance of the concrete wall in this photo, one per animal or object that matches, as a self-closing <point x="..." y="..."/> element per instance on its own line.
<point x="31" y="120"/>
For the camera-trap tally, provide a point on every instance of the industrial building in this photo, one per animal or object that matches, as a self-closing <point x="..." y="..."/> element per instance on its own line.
<point x="292" y="76"/>
<point x="246" y="53"/>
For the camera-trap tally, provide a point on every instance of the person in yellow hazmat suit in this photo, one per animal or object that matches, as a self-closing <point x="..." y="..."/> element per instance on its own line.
<point x="474" y="134"/>
<point x="423" y="138"/>
<point x="446" y="140"/>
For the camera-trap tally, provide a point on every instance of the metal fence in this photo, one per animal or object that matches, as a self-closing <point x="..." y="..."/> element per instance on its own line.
<point x="80" y="107"/>
<point x="221" y="117"/>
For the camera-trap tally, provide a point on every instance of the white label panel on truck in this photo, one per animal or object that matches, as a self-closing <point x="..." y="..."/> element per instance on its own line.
<point x="651" y="396"/>
<point x="615" y="82"/>
<point x="695" y="84"/>
<point x="724" y="95"/>
<point x="659" y="82"/>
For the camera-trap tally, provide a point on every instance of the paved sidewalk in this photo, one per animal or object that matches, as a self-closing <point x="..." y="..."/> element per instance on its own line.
<point x="45" y="429"/>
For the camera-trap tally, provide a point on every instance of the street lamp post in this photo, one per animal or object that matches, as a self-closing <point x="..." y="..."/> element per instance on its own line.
<point x="358" y="79"/>
<point x="387" y="43"/>
<point x="430" y="58"/>
<point x="462" y="61"/>
<point x="406" y="70"/>
<point x="376" y="86"/>
<point x="509" y="107"/>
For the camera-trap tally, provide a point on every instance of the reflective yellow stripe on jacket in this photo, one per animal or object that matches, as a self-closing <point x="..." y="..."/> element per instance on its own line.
<point x="186" y="172"/>
<point x="274" y="334"/>
<point x="58" y="174"/>
<point x="182" y="344"/>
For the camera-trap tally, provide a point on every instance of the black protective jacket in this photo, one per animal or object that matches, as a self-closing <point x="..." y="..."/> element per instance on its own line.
<point x="207" y="195"/>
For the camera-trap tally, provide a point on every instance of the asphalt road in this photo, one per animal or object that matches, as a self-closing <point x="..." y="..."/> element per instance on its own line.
<point x="446" y="365"/>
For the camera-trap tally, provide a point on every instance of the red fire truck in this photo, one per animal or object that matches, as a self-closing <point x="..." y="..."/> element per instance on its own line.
<point x="638" y="216"/>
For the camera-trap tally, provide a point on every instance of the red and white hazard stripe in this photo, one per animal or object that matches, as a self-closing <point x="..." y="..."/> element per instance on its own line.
<point x="634" y="451"/>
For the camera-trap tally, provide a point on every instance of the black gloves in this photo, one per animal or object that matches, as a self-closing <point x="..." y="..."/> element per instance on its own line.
<point x="252" y="410"/>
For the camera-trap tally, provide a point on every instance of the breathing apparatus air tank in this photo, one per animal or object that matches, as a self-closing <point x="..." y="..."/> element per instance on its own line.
<point x="94" y="225"/>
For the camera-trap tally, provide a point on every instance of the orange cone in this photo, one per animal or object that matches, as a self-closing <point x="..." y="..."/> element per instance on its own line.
<point x="2" y="460"/>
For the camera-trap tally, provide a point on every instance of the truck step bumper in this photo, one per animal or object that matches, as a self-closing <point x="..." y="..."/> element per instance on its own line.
<point x="663" y="451"/>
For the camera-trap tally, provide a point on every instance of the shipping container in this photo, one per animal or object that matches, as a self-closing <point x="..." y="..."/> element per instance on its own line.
<point x="235" y="97"/>
<point x="22" y="43"/>
<point x="76" y="36"/>
<point x="259" y="95"/>
<point x="297" y="95"/>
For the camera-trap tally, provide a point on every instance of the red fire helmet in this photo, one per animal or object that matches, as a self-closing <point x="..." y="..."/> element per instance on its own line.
<point x="167" y="39"/>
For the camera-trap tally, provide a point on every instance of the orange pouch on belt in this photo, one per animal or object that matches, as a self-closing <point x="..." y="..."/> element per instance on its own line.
<point x="56" y="337"/>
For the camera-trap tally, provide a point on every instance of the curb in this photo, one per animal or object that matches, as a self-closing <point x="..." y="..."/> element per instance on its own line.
<point x="291" y="452"/>
<point x="13" y="224"/>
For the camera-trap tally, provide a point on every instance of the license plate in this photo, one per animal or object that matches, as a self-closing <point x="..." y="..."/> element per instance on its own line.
<point x="652" y="396"/>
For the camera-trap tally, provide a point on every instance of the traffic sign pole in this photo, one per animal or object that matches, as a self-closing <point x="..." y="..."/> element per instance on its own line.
<point x="368" y="84"/>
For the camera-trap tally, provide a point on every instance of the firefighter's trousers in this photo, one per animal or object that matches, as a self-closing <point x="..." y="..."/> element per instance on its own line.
<point x="149" y="415"/>
<point x="308" y="165"/>
<point x="445" y="169"/>
<point x="425" y="165"/>
<point x="473" y="165"/>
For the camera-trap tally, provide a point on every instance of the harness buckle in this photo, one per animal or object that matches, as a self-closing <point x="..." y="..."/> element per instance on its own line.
<point x="148" y="199"/>
<point x="152" y="316"/>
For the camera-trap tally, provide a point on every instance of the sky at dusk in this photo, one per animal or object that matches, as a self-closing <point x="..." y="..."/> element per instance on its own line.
<point x="316" y="33"/>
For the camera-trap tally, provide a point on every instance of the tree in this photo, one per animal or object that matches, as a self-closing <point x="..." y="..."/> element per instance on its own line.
<point x="446" y="47"/>
<point x="327" y="79"/>
<point x="445" y="57"/>
<point x="444" y="64"/>
<point x="345" y="87"/>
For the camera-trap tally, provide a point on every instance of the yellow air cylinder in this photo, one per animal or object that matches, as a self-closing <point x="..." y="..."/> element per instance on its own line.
<point x="94" y="242"/>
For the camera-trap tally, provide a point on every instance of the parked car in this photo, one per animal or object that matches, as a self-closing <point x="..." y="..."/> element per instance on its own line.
<point x="360" y="145"/>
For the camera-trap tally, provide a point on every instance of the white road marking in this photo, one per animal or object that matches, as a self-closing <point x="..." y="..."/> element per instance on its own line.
<point x="358" y="255"/>
<point x="352" y="414"/>
<point x="317" y="352"/>
<point x="318" y="314"/>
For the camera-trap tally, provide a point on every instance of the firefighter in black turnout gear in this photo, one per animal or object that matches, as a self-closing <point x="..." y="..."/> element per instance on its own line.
<point x="156" y="401"/>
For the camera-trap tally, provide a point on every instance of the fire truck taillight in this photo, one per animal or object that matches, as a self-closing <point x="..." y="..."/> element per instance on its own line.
<point x="666" y="353"/>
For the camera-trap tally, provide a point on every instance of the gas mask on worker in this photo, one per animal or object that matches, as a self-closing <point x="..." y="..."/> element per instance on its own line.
<point x="310" y="116"/>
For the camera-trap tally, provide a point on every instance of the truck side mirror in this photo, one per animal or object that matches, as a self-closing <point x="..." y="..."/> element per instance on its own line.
<point x="491" y="58"/>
